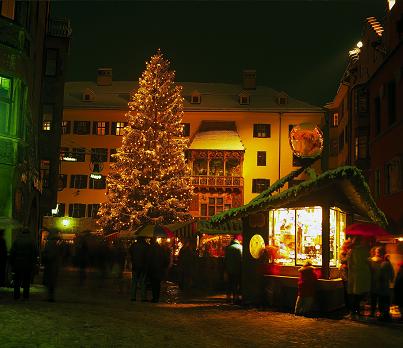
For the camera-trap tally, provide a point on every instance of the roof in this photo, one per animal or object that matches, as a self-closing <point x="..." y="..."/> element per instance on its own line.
<point x="214" y="96"/>
<point x="344" y="187"/>
<point x="217" y="140"/>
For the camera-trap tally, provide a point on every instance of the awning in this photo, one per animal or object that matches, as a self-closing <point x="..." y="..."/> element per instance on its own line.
<point x="217" y="140"/>
<point x="229" y="227"/>
<point x="180" y="229"/>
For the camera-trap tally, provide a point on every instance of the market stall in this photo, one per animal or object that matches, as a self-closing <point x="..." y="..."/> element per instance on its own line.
<point x="304" y="222"/>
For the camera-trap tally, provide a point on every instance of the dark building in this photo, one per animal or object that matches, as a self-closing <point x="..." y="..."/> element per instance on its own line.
<point x="366" y="115"/>
<point x="24" y="31"/>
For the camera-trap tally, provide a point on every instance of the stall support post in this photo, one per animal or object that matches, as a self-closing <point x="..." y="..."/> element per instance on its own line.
<point x="325" y="242"/>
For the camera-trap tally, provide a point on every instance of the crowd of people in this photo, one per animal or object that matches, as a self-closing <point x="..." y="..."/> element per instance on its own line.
<point x="366" y="272"/>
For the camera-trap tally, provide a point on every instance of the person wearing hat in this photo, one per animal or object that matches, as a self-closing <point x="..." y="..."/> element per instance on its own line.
<point x="306" y="289"/>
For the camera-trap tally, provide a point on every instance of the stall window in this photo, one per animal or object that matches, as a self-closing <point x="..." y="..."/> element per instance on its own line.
<point x="309" y="235"/>
<point x="337" y="234"/>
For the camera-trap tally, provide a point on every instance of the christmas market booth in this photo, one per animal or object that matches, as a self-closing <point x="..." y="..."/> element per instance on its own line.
<point x="305" y="221"/>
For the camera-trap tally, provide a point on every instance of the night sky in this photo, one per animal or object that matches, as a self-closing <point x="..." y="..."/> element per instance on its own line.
<point x="300" y="46"/>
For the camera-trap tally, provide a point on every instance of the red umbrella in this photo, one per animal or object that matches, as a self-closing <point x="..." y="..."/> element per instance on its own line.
<point x="366" y="229"/>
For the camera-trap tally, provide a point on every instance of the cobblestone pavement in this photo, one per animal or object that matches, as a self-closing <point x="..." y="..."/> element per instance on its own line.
<point x="101" y="315"/>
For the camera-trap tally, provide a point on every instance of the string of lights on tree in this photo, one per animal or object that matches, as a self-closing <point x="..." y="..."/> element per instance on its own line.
<point x="150" y="181"/>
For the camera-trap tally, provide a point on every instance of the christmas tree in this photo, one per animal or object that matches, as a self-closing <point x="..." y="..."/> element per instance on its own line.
<point x="150" y="181"/>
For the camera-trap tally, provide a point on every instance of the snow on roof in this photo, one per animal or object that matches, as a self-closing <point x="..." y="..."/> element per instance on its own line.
<point x="217" y="140"/>
<point x="214" y="96"/>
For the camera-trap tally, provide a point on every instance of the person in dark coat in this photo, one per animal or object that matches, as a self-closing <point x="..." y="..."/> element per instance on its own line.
<point x="3" y="259"/>
<point x="158" y="265"/>
<point x="186" y="264"/>
<point x="233" y="269"/>
<point x="306" y="289"/>
<point x="51" y="259"/>
<point x="82" y="256"/>
<point x="139" y="253"/>
<point x="398" y="290"/>
<point x="23" y="258"/>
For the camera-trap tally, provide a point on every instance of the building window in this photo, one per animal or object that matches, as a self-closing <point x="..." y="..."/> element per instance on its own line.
<point x="79" y="154"/>
<point x="99" y="155"/>
<point x="117" y="128"/>
<point x="261" y="130"/>
<point x="377" y="107"/>
<point x="361" y="147"/>
<point x="5" y="104"/>
<point x="61" y="209"/>
<point x="260" y="185"/>
<point x="45" y="170"/>
<point x="62" y="184"/>
<point x="195" y="99"/>
<point x="186" y="129"/>
<point x="335" y="120"/>
<point x="64" y="153"/>
<point x="341" y="141"/>
<point x="81" y="127"/>
<point x="112" y="158"/>
<point x="66" y="125"/>
<point x="92" y="210"/>
<point x="47" y="117"/>
<point x="244" y="99"/>
<point x="100" y="128"/>
<point x="98" y="183"/>
<point x="261" y="158"/>
<point x="391" y="102"/>
<point x="77" y="210"/>
<point x="78" y="181"/>
<point x="393" y="176"/>
<point x="377" y="183"/>
<point x="51" y="62"/>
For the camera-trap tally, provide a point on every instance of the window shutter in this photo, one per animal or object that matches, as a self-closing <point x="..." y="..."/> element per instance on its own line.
<point x="94" y="127"/>
<point x="106" y="128"/>
<point x="113" y="130"/>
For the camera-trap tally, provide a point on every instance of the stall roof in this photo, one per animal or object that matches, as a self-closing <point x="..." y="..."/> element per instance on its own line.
<point x="344" y="187"/>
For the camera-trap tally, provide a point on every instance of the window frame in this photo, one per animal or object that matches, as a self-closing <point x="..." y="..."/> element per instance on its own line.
<point x="261" y="158"/>
<point x="258" y="182"/>
<point x="78" y="181"/>
<point x="262" y="130"/>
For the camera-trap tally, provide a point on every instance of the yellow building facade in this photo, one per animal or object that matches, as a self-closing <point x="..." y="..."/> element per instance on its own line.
<point x="238" y="143"/>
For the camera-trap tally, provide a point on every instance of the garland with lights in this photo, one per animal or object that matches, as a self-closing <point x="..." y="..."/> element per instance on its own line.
<point x="150" y="181"/>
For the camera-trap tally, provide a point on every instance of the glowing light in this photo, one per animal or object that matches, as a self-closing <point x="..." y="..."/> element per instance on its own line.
<point x="391" y="3"/>
<point x="359" y="44"/>
<point x="95" y="176"/>
<point x="56" y="210"/>
<point x="69" y="159"/>
<point x="400" y="239"/>
<point x="65" y="222"/>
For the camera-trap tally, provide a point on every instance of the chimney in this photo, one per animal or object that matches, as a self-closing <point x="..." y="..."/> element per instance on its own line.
<point x="249" y="79"/>
<point x="104" y="77"/>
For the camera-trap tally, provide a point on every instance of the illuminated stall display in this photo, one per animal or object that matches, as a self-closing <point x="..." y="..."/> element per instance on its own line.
<point x="296" y="235"/>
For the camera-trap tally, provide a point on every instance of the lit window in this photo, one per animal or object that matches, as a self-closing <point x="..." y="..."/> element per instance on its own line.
<point x="361" y="147"/>
<point x="5" y="104"/>
<point x="335" y="122"/>
<point x="261" y="130"/>
<point x="117" y="128"/>
<point x="100" y="128"/>
<point x="46" y="125"/>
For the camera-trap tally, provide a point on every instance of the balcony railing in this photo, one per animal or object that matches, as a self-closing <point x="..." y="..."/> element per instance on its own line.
<point x="59" y="27"/>
<point x="219" y="181"/>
